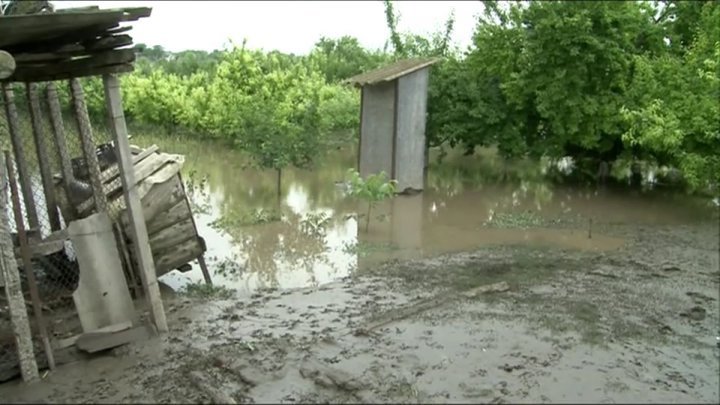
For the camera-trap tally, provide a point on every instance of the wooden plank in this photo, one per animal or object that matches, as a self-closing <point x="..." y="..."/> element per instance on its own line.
<point x="138" y="230"/>
<point x="89" y="72"/>
<point x="201" y="258"/>
<point x="67" y="342"/>
<point x="179" y="212"/>
<point x="94" y="342"/>
<point x="19" y="152"/>
<point x="7" y="64"/>
<point x="58" y="130"/>
<point x="160" y="198"/>
<point x="178" y="255"/>
<point x="142" y="168"/>
<point x="88" y="146"/>
<point x="27" y="263"/>
<point x="173" y="235"/>
<point x="100" y="44"/>
<point x="13" y="289"/>
<point x="204" y="268"/>
<point x="90" y="63"/>
<point x="43" y="157"/>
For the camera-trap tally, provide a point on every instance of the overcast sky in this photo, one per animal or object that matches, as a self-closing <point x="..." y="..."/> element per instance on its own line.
<point x="288" y="26"/>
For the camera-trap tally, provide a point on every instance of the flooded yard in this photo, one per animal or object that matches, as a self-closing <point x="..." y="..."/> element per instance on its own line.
<point x="476" y="290"/>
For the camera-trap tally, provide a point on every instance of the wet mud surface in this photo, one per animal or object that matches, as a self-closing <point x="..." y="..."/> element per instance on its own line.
<point x="634" y="324"/>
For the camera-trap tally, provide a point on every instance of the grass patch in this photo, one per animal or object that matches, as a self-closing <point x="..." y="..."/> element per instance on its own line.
<point x="206" y="291"/>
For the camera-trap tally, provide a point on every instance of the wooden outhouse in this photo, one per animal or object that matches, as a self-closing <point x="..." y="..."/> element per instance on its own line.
<point x="392" y="121"/>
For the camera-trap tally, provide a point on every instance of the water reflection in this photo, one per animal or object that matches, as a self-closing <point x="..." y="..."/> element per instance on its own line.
<point x="311" y="235"/>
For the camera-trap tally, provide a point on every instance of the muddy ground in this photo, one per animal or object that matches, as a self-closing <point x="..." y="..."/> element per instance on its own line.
<point x="636" y="324"/>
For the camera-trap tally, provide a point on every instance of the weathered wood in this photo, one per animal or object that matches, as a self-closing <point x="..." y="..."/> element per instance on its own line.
<point x="13" y="290"/>
<point x="93" y="342"/>
<point x="173" y="235"/>
<point x="178" y="213"/>
<point x="118" y="327"/>
<point x="204" y="268"/>
<point x="66" y="53"/>
<point x="138" y="233"/>
<point x="125" y="260"/>
<point x="178" y="255"/>
<point x="7" y="64"/>
<point x="27" y="263"/>
<point x="201" y="258"/>
<point x="58" y="129"/>
<point x="71" y="67"/>
<point x="45" y="248"/>
<point x="19" y="152"/>
<point x="142" y="170"/>
<point x="160" y="198"/>
<point x="85" y="130"/>
<point x="53" y="75"/>
<point x="42" y="155"/>
<point x="110" y="180"/>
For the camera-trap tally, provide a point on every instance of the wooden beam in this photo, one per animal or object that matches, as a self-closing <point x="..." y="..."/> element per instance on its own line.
<point x="72" y="66"/>
<point x="19" y="152"/>
<point x="50" y="76"/>
<point x="42" y="155"/>
<point x="75" y="50"/>
<point x="138" y="230"/>
<point x="7" y="65"/>
<point x="13" y="290"/>
<point x="89" y="150"/>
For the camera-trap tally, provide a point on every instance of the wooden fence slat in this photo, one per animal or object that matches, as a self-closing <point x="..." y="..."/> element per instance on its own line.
<point x="19" y="152"/>
<point x="86" y="138"/>
<point x="27" y="263"/>
<point x="43" y="157"/>
<point x="13" y="290"/>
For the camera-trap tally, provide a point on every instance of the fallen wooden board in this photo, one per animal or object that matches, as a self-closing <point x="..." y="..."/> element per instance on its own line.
<point x="67" y="342"/>
<point x="425" y="305"/>
<point x="96" y="341"/>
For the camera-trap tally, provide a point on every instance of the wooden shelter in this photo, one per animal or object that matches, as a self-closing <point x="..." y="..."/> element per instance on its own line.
<point x="392" y="121"/>
<point x="139" y="189"/>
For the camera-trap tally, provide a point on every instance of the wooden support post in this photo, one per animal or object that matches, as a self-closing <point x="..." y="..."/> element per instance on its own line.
<point x="201" y="258"/>
<point x="53" y="103"/>
<point x="203" y="267"/>
<point x="43" y="157"/>
<point x="27" y="263"/>
<point x="89" y="150"/>
<point x="19" y="151"/>
<point x="13" y="290"/>
<point x="138" y="228"/>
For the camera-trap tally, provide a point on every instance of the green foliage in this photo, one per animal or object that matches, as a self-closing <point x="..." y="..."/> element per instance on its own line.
<point x="255" y="216"/>
<point x="373" y="189"/>
<point x="202" y="290"/>
<point x="592" y="80"/>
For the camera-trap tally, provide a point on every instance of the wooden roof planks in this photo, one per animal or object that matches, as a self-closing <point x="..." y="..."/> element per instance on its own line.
<point x="69" y="43"/>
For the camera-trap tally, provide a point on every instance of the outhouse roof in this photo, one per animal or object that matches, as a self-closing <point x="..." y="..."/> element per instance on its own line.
<point x="391" y="72"/>
<point x="69" y="43"/>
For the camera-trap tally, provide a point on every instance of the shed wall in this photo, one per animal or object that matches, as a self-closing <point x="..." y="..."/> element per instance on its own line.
<point x="410" y="143"/>
<point x="376" y="129"/>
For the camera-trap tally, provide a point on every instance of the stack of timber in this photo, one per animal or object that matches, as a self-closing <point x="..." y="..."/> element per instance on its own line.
<point x="69" y="43"/>
<point x="173" y="236"/>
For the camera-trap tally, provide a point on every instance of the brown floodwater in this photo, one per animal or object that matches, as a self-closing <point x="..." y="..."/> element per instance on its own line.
<point x="314" y="233"/>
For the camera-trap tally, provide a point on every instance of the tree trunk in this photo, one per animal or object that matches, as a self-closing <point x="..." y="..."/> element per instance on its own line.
<point x="279" y="184"/>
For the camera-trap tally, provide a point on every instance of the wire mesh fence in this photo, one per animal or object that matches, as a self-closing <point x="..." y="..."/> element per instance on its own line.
<point x="53" y="147"/>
